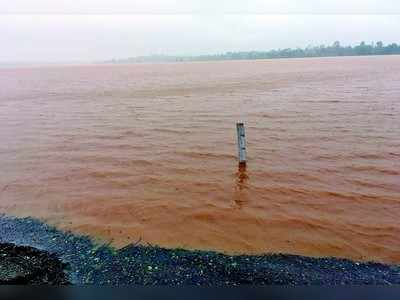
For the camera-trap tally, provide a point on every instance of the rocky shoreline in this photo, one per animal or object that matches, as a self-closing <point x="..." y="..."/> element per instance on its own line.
<point x="68" y="258"/>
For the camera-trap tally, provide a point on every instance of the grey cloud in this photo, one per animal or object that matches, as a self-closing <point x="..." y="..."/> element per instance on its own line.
<point x="200" y="6"/>
<point x="100" y="37"/>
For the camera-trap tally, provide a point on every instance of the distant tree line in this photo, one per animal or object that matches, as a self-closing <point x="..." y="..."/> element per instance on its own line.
<point x="336" y="49"/>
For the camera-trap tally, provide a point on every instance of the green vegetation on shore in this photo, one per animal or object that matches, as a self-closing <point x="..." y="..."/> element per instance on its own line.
<point x="336" y="49"/>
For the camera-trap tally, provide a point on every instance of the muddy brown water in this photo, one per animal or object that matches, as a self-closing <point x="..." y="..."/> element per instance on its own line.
<point x="148" y="152"/>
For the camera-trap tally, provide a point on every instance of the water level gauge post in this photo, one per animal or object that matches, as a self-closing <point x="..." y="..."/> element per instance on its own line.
<point x="241" y="137"/>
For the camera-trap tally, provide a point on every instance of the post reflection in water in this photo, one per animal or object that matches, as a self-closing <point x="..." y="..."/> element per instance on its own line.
<point x="241" y="185"/>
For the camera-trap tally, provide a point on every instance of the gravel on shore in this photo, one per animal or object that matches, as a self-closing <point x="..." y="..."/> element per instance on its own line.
<point x="85" y="262"/>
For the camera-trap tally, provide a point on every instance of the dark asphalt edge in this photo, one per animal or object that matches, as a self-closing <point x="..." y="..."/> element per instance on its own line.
<point x="91" y="263"/>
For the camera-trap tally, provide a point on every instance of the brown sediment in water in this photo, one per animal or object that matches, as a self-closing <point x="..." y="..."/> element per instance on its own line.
<point x="148" y="151"/>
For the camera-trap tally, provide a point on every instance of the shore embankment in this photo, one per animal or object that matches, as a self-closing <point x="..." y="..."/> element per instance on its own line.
<point x="85" y="262"/>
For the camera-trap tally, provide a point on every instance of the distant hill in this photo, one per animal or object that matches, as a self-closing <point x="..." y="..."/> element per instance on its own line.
<point x="336" y="49"/>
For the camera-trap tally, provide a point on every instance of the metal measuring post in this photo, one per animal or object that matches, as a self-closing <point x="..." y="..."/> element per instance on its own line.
<point x="241" y="144"/>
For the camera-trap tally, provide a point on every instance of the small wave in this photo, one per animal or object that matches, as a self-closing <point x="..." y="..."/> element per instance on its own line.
<point x="368" y="184"/>
<point x="372" y="169"/>
<point x="107" y="137"/>
<point x="175" y="131"/>
<point x="369" y="156"/>
<point x="202" y="155"/>
<point x="108" y="174"/>
<point x="350" y="156"/>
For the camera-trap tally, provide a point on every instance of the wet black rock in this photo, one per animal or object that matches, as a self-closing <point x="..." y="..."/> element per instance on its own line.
<point x="27" y="265"/>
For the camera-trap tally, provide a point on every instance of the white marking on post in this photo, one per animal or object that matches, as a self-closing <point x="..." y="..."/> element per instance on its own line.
<point x="241" y="143"/>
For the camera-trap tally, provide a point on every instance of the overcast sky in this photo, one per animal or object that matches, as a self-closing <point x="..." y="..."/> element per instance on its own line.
<point x="90" y="30"/>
